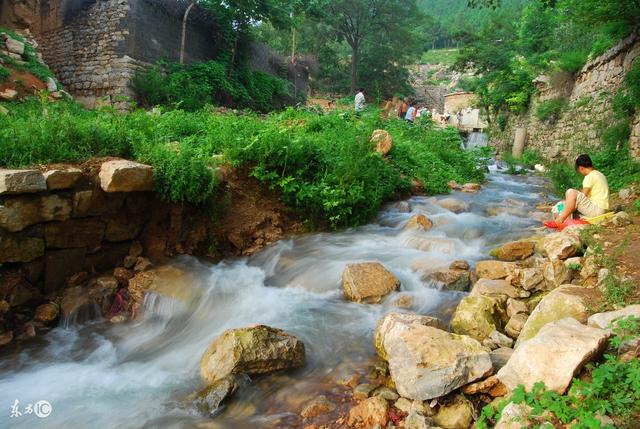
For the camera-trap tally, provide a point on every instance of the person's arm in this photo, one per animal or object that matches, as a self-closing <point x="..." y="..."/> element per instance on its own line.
<point x="586" y="186"/>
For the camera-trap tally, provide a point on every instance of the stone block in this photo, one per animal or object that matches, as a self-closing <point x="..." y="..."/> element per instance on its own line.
<point x="63" y="178"/>
<point x="21" y="181"/>
<point x="18" y="213"/>
<point x="125" y="176"/>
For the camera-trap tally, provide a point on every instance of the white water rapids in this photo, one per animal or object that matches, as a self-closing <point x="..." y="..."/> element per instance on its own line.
<point x="138" y="374"/>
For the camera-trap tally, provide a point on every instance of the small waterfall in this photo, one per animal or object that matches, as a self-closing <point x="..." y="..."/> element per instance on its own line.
<point x="476" y="139"/>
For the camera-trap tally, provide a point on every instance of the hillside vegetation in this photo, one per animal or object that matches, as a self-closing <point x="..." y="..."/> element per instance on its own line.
<point x="323" y="164"/>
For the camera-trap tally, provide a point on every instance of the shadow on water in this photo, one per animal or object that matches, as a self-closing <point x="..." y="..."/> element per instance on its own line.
<point x="139" y="374"/>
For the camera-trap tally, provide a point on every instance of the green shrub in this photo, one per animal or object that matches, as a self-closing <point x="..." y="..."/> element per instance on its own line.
<point x="613" y="389"/>
<point x="4" y="74"/>
<point x="572" y="61"/>
<point x="551" y="110"/>
<point x="193" y="86"/>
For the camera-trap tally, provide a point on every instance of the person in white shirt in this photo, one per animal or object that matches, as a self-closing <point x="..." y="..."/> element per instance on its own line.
<point x="411" y="113"/>
<point x="359" y="100"/>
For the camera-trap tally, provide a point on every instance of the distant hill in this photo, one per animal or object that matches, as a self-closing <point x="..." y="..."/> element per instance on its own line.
<point x="451" y="18"/>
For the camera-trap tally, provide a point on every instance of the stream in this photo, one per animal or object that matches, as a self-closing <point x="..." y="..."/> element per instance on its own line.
<point x="139" y="374"/>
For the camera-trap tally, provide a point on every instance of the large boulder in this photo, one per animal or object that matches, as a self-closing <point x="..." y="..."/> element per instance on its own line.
<point x="383" y="141"/>
<point x="254" y="350"/>
<point x="125" y="176"/>
<point x="494" y="270"/>
<point x="453" y="204"/>
<point x="426" y="362"/>
<point x="515" y="251"/>
<point x="498" y="287"/>
<point x="394" y="321"/>
<point x="604" y="320"/>
<point x="21" y="181"/>
<point x="565" y="301"/>
<point x="561" y="245"/>
<point x="557" y="353"/>
<point x="478" y="316"/>
<point x="368" y="282"/>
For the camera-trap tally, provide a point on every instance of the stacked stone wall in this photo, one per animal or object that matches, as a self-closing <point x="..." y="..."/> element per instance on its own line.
<point x="69" y="220"/>
<point x="589" y="96"/>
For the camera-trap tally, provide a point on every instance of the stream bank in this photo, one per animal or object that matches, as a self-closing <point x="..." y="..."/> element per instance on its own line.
<point x="147" y="368"/>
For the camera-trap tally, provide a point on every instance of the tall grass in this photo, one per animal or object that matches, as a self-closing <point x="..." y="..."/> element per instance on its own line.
<point x="322" y="164"/>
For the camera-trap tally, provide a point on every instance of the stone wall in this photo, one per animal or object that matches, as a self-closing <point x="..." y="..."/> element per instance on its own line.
<point x="95" y="47"/>
<point x="589" y="95"/>
<point x="57" y="223"/>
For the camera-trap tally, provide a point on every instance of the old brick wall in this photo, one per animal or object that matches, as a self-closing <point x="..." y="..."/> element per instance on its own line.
<point x="589" y="112"/>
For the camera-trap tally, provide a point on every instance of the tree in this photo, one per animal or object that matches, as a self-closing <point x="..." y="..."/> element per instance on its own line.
<point x="356" y="21"/>
<point x="185" y="17"/>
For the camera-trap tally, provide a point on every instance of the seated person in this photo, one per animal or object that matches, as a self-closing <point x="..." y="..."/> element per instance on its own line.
<point x="593" y="200"/>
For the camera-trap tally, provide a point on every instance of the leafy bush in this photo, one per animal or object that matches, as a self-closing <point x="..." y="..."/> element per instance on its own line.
<point x="572" y="61"/>
<point x="193" y="86"/>
<point x="4" y="74"/>
<point x="613" y="389"/>
<point x="551" y="110"/>
<point x="564" y="176"/>
<point x="323" y="165"/>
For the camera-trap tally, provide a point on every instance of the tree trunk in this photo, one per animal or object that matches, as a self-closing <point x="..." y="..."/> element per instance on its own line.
<point x="354" y="67"/>
<point x="293" y="46"/>
<point x="184" y="29"/>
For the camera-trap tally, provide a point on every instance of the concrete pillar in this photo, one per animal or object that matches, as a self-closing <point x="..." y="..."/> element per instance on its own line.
<point x="518" y="142"/>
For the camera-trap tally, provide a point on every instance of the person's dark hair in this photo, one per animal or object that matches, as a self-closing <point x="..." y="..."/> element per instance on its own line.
<point x="360" y="89"/>
<point x="584" y="161"/>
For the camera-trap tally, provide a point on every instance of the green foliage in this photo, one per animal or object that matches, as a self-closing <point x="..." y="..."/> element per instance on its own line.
<point x="322" y="165"/>
<point x="193" y="86"/>
<point x="613" y="389"/>
<point x="30" y="64"/>
<point x="564" y="176"/>
<point x="440" y="56"/>
<point x="627" y="102"/>
<point x="572" y="61"/>
<point x="616" y="292"/>
<point x="551" y="110"/>
<point x="386" y="37"/>
<point x="4" y="74"/>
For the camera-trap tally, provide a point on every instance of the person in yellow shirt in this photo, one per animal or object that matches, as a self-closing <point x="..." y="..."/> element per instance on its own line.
<point x="593" y="200"/>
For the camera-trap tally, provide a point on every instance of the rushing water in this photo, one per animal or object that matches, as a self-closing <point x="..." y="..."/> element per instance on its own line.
<point x="139" y="374"/>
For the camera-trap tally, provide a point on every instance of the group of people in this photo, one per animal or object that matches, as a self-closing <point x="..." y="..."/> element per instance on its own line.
<point x="408" y="110"/>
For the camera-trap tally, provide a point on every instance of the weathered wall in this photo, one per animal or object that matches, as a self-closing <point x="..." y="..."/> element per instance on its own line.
<point x="95" y="47"/>
<point x="589" y="95"/>
<point x="70" y="224"/>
